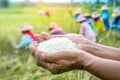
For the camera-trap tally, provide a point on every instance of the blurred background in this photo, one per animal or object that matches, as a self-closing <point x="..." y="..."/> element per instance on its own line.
<point x="19" y="64"/>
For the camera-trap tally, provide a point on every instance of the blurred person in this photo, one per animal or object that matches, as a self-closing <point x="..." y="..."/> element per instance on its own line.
<point x="98" y="22"/>
<point x="56" y="30"/>
<point x="93" y="9"/>
<point x="28" y="37"/>
<point x="47" y="13"/>
<point x="77" y="13"/>
<point x="116" y="21"/>
<point x="89" y="20"/>
<point x="102" y="61"/>
<point x="105" y="16"/>
<point x="41" y="13"/>
<point x="85" y="29"/>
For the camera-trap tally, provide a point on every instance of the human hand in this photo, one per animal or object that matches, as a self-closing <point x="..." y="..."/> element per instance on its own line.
<point x="57" y="62"/>
<point x="80" y="41"/>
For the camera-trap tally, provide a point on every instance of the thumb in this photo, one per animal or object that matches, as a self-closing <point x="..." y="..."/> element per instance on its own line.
<point x="51" y="58"/>
<point x="33" y="49"/>
<point x="81" y="46"/>
<point x="39" y="38"/>
<point x="46" y="36"/>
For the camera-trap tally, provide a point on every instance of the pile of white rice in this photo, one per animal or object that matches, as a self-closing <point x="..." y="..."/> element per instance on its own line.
<point x="57" y="44"/>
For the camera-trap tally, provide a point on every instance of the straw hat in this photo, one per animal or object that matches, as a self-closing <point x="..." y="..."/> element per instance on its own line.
<point x="87" y="14"/>
<point x="78" y="11"/>
<point x="40" y="12"/>
<point x="104" y="7"/>
<point x="95" y="15"/>
<point x="53" y="26"/>
<point x="116" y="13"/>
<point x="25" y="27"/>
<point x="81" y="18"/>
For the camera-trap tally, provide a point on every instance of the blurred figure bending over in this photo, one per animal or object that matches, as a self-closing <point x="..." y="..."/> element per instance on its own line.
<point x="77" y="13"/>
<point x="85" y="29"/>
<point x="42" y="13"/>
<point x="56" y="30"/>
<point x="116" y="21"/>
<point x="98" y="22"/>
<point x="106" y="16"/>
<point x="89" y="20"/>
<point x="28" y="37"/>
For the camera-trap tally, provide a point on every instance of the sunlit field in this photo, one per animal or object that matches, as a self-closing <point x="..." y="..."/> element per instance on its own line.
<point x="19" y="64"/>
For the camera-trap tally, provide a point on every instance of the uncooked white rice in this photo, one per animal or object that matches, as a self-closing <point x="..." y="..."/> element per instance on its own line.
<point x="57" y="44"/>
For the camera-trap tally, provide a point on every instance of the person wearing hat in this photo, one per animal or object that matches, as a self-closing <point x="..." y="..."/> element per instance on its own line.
<point x="93" y="9"/>
<point x="116" y="21"/>
<point x="89" y="20"/>
<point x="98" y="22"/>
<point x="47" y="13"/>
<point x="56" y="30"/>
<point x="85" y="29"/>
<point x="28" y="37"/>
<point x="105" y="16"/>
<point x="41" y="13"/>
<point x="77" y="13"/>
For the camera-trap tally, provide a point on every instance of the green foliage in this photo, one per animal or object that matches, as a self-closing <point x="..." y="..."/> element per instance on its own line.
<point x="12" y="11"/>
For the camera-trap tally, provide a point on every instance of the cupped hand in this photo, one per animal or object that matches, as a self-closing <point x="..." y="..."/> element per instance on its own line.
<point x="76" y="38"/>
<point x="57" y="62"/>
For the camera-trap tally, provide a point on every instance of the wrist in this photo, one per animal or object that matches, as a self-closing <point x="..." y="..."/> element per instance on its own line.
<point x="82" y="59"/>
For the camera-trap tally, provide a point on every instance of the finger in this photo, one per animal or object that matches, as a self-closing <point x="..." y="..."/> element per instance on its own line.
<point x="49" y="58"/>
<point x="81" y="36"/>
<point x="40" y="62"/>
<point x="81" y="46"/>
<point x="54" y="57"/>
<point x="33" y="49"/>
<point x="46" y="57"/>
<point x="35" y="43"/>
<point x="46" y="36"/>
<point x="39" y="38"/>
<point x="53" y="68"/>
<point x="43" y="64"/>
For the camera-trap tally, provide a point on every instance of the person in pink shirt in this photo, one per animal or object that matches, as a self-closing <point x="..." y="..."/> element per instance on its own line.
<point x="47" y="13"/>
<point x="56" y="30"/>
<point x="85" y="29"/>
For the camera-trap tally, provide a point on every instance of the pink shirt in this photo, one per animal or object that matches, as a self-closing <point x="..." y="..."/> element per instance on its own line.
<point x="87" y="32"/>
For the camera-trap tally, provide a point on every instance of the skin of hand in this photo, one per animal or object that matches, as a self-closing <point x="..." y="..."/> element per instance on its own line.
<point x="61" y="61"/>
<point x="80" y="41"/>
<point x="86" y="45"/>
<point x="57" y="62"/>
<point x="103" y="51"/>
<point x="65" y="61"/>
